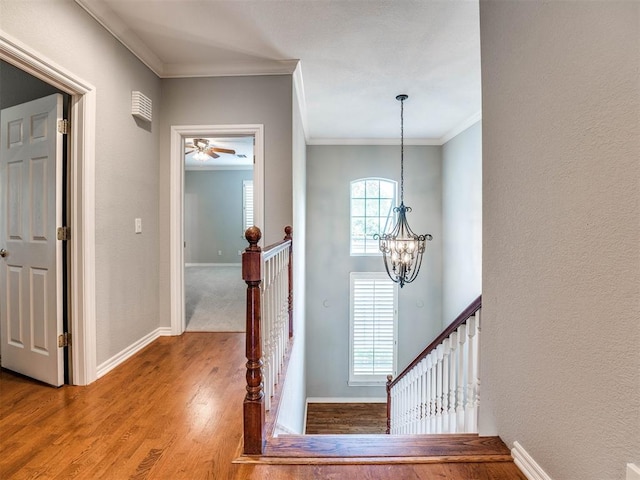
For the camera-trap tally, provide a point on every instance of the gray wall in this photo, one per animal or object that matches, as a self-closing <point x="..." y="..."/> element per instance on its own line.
<point x="330" y="169"/>
<point x="294" y="391"/>
<point x="561" y="278"/>
<point x="217" y="215"/>
<point x="461" y="221"/>
<point x="126" y="162"/>
<point x="223" y="101"/>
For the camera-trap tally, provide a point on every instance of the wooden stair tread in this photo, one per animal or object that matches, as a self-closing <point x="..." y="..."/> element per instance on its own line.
<point x="445" y="448"/>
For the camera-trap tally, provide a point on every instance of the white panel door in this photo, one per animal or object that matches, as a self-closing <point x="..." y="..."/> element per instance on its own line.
<point x="31" y="263"/>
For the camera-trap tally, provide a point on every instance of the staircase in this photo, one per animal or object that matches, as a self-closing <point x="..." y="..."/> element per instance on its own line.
<point x="438" y="392"/>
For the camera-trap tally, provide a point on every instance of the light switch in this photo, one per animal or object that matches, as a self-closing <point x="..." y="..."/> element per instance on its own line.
<point x="138" y="225"/>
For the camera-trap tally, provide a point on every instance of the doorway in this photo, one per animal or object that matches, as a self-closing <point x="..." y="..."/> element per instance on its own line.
<point x="218" y="207"/>
<point x="81" y="204"/>
<point x="181" y="138"/>
<point x="33" y="269"/>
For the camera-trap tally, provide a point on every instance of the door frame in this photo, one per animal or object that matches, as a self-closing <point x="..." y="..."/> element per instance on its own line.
<point x="176" y="200"/>
<point x="81" y="215"/>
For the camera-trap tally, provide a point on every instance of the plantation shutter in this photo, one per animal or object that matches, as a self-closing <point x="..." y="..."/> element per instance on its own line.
<point x="247" y="204"/>
<point x="373" y="327"/>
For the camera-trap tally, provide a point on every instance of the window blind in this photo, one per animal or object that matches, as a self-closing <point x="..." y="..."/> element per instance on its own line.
<point x="373" y="327"/>
<point x="247" y="204"/>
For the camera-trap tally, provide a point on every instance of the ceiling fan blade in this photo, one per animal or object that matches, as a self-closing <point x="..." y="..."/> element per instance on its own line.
<point x="223" y="150"/>
<point x="187" y="152"/>
<point x="211" y="152"/>
<point x="189" y="145"/>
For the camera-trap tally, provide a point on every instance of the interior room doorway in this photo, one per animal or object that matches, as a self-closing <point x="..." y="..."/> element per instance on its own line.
<point x="218" y="207"/>
<point x="187" y="142"/>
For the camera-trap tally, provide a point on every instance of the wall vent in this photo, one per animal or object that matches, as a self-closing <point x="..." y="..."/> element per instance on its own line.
<point x="141" y="106"/>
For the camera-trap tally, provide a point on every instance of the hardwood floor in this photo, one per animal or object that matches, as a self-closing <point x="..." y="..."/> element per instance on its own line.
<point x="346" y="418"/>
<point x="174" y="411"/>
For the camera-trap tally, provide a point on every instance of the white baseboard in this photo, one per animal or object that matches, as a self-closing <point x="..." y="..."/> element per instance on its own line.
<point x="282" y="430"/>
<point x="131" y="350"/>
<point x="346" y="400"/>
<point x="213" y="264"/>
<point x="527" y="464"/>
<point x="633" y="472"/>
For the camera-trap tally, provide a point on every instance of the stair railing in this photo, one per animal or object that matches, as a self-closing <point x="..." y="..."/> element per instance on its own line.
<point x="439" y="392"/>
<point x="269" y="325"/>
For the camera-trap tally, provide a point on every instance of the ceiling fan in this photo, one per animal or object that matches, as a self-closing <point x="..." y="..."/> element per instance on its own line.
<point x="203" y="151"/>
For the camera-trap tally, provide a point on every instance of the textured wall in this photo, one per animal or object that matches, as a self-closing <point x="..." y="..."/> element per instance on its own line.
<point x="461" y="221"/>
<point x="215" y="222"/>
<point x="230" y="101"/>
<point x="561" y="233"/>
<point x="330" y="169"/>
<point x="126" y="162"/>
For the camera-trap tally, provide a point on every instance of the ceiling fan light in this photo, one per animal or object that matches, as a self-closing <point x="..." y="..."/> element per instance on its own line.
<point x="200" y="156"/>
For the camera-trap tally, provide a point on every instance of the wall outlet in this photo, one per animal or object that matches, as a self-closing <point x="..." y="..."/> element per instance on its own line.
<point x="138" y="225"/>
<point x="219" y="253"/>
<point x="239" y="253"/>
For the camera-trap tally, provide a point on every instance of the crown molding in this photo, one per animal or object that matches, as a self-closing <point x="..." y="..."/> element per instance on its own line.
<point x="233" y="69"/>
<point x="476" y="117"/>
<point x="116" y="27"/>
<point x="374" y="141"/>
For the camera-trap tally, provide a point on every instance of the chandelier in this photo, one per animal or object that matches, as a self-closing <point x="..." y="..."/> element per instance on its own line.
<point x="401" y="248"/>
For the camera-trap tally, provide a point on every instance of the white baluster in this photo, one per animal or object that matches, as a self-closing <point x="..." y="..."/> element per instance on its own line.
<point x="423" y="396"/>
<point x="434" y="389"/>
<point x="472" y="368"/>
<point x="446" y="350"/>
<point x="453" y="368"/>
<point x="428" y="405"/>
<point x="439" y="375"/>
<point x="460" y="358"/>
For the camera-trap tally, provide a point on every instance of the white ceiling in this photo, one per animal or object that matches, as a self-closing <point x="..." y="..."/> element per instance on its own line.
<point x="355" y="56"/>
<point x="241" y="160"/>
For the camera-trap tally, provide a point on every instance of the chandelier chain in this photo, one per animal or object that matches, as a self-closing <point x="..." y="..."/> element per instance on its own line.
<point x="402" y="151"/>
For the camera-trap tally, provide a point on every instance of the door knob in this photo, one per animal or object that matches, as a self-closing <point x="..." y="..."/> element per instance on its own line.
<point x="3" y="253"/>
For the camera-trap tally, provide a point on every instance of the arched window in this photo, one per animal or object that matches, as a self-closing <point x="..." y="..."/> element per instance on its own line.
<point x="372" y="202"/>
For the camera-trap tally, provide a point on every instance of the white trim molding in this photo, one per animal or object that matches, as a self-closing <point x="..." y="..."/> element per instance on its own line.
<point x="82" y="198"/>
<point x="527" y="464"/>
<point x="374" y="141"/>
<point x="633" y="472"/>
<point x="131" y="350"/>
<point x="103" y="14"/>
<point x="476" y="117"/>
<point x="176" y="199"/>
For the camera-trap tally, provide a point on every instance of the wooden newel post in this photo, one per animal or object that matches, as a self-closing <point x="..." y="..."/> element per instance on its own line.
<point x="253" y="406"/>
<point x="288" y="231"/>
<point x="389" y="380"/>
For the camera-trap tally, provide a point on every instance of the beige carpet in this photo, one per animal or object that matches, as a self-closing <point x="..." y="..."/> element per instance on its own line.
<point x="215" y="298"/>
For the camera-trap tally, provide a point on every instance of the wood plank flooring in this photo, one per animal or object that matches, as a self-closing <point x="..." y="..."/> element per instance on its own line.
<point x="173" y="412"/>
<point x="346" y="418"/>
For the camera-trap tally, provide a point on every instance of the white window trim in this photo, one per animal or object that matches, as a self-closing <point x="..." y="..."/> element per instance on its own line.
<point x="392" y="216"/>
<point x="371" y="380"/>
